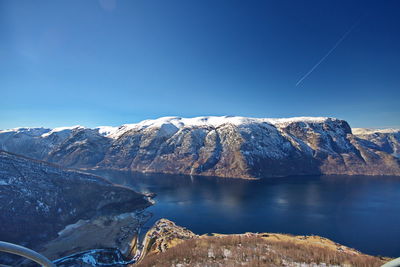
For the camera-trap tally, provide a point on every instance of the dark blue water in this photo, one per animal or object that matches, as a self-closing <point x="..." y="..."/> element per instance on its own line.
<point x="360" y="212"/>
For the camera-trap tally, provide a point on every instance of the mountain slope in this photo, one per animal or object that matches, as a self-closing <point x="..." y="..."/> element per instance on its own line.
<point x="216" y="146"/>
<point x="39" y="199"/>
<point x="387" y="140"/>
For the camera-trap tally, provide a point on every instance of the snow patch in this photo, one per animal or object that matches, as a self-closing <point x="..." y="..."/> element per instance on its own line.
<point x="63" y="129"/>
<point x="89" y="259"/>
<point x="32" y="131"/>
<point x="72" y="227"/>
<point x="107" y="130"/>
<point x="366" y="131"/>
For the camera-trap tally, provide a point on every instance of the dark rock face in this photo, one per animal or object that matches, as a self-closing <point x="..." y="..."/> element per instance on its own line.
<point x="219" y="146"/>
<point x="83" y="148"/>
<point x="39" y="199"/>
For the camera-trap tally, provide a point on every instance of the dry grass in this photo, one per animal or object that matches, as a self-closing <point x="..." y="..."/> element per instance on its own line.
<point x="242" y="250"/>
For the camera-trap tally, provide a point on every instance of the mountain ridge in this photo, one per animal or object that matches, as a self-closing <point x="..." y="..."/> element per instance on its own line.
<point x="225" y="146"/>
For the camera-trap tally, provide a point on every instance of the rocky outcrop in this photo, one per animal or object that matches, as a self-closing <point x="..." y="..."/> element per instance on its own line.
<point x="163" y="235"/>
<point x="171" y="245"/>
<point x="39" y="199"/>
<point x="215" y="146"/>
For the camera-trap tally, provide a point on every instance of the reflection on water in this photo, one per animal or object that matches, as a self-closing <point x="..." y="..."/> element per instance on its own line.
<point x="361" y="212"/>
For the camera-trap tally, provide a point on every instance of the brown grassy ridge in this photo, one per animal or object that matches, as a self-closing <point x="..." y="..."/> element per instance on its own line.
<point x="258" y="250"/>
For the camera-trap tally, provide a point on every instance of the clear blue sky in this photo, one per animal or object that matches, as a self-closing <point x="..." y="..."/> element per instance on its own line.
<point x="113" y="62"/>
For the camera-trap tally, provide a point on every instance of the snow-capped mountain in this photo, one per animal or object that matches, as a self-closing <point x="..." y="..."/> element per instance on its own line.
<point x="216" y="146"/>
<point x="387" y="140"/>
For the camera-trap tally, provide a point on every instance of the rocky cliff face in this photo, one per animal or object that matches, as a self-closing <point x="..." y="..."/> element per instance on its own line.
<point x="39" y="199"/>
<point x="215" y="146"/>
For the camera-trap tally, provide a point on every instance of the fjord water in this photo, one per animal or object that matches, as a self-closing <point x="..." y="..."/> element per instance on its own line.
<point x="357" y="211"/>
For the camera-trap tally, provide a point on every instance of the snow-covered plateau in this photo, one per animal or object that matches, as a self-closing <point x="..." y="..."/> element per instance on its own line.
<point x="225" y="146"/>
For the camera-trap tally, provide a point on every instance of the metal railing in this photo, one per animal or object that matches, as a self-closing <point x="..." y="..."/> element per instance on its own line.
<point x="393" y="263"/>
<point x="25" y="252"/>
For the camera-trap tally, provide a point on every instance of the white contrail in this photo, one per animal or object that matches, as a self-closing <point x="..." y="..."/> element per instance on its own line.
<point x="327" y="54"/>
